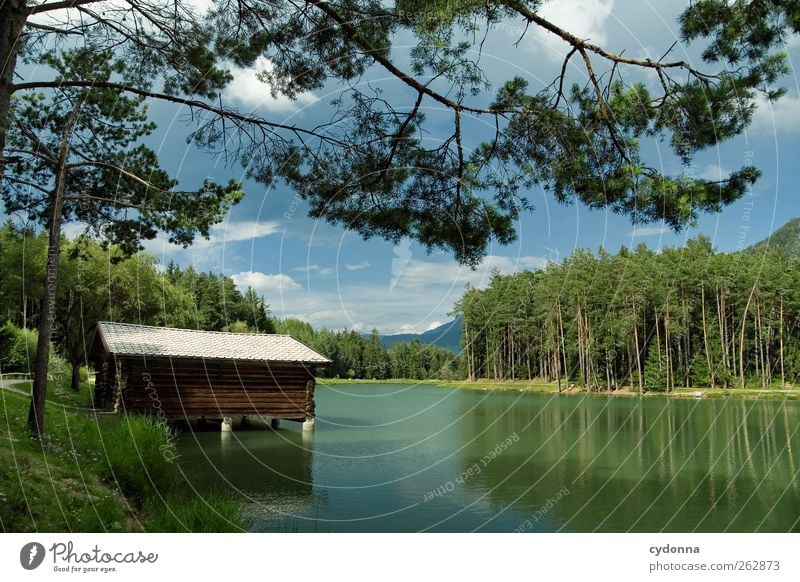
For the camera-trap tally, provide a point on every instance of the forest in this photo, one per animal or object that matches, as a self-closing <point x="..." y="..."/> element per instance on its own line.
<point x="101" y="283"/>
<point x="641" y="319"/>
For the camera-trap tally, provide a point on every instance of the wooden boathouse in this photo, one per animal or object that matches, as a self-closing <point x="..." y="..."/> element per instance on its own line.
<point x="190" y="375"/>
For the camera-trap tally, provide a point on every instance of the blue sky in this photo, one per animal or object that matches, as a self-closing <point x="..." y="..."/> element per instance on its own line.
<point x="330" y="277"/>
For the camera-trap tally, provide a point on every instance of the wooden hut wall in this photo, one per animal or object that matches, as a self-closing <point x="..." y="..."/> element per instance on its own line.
<point x="191" y="388"/>
<point x="105" y="382"/>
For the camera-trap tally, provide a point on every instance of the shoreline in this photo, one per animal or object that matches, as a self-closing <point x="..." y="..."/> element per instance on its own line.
<point x="115" y="473"/>
<point x="552" y="388"/>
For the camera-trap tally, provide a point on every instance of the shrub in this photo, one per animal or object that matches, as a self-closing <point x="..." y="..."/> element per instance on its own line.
<point x="140" y="456"/>
<point x="655" y="370"/>
<point x="13" y="355"/>
<point x="188" y="511"/>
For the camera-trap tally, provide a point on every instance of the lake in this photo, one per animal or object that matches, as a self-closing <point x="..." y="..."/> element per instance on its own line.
<point x="402" y="458"/>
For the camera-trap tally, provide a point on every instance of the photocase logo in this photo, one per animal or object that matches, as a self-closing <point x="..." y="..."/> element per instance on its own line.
<point x="31" y="555"/>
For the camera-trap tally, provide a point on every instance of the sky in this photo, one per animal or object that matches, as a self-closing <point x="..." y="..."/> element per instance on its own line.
<point x="330" y="277"/>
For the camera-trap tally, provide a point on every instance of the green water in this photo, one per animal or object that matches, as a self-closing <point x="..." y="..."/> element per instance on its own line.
<point x="398" y="458"/>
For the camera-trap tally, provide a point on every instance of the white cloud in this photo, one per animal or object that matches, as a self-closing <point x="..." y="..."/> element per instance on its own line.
<point x="357" y="266"/>
<point x="244" y="230"/>
<point x="324" y="271"/>
<point x="782" y="116"/>
<point x="649" y="231"/>
<point x="714" y="172"/>
<point x="73" y="229"/>
<point x="420" y="275"/>
<point x="265" y="284"/>
<point x="421" y="299"/>
<point x="208" y="253"/>
<point x="586" y="19"/>
<point x="247" y="89"/>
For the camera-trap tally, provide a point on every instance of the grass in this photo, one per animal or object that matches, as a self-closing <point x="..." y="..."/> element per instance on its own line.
<point x="751" y="393"/>
<point x="336" y="381"/>
<point x="773" y="393"/>
<point x="97" y="473"/>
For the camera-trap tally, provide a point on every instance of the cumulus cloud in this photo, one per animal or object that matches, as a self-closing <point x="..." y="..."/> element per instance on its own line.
<point x="244" y="230"/>
<point x="782" y="116"/>
<point x="208" y="252"/>
<point x="648" y="231"/>
<point x="420" y="275"/>
<point x="249" y="90"/>
<point x="265" y="284"/>
<point x="586" y="19"/>
<point x="308" y="269"/>
<point x="714" y="172"/>
<point x="357" y="266"/>
<point x="421" y="298"/>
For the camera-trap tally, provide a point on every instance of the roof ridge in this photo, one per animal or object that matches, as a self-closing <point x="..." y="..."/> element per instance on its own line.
<point x="132" y="339"/>
<point x="162" y="327"/>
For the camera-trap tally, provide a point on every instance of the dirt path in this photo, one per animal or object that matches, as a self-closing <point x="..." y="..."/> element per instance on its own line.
<point x="9" y="385"/>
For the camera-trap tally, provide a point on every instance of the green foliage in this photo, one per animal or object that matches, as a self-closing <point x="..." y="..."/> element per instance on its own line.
<point x="656" y="377"/>
<point x="102" y="283"/>
<point x="582" y="136"/>
<point x="99" y="473"/>
<point x="110" y="173"/>
<point x="18" y="350"/>
<point x="12" y="358"/>
<point x="139" y="456"/>
<point x="211" y="512"/>
<point x="216" y="304"/>
<point x="358" y="357"/>
<point x="22" y="260"/>
<point x="682" y="310"/>
<point x="786" y="239"/>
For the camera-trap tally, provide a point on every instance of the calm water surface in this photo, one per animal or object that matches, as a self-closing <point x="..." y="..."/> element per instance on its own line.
<point x="399" y="458"/>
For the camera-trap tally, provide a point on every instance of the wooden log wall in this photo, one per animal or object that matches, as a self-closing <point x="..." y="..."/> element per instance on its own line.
<point x="104" y="383"/>
<point x="188" y="388"/>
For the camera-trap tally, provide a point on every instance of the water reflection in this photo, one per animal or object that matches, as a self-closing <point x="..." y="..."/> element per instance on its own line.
<point x="386" y="458"/>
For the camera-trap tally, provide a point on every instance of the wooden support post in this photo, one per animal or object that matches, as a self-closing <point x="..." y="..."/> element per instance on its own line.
<point x="118" y="388"/>
<point x="227" y="424"/>
<point x="275" y="423"/>
<point x="308" y="425"/>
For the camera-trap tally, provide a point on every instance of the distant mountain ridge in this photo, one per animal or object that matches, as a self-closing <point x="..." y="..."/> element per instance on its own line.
<point x="447" y="336"/>
<point x="786" y="238"/>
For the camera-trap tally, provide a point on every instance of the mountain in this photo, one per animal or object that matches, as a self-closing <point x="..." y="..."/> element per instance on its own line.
<point x="786" y="238"/>
<point x="447" y="335"/>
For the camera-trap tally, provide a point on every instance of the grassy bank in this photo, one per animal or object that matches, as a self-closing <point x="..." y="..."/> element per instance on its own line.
<point x="96" y="473"/>
<point x="773" y="393"/>
<point x="336" y="381"/>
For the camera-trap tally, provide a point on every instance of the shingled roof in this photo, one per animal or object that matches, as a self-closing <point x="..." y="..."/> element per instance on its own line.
<point x="125" y="339"/>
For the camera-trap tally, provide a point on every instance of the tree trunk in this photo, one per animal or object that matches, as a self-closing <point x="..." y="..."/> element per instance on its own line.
<point x="723" y="336"/>
<point x="76" y="376"/>
<point x="557" y="367"/>
<point x="658" y="338"/>
<point x="638" y="354"/>
<point x="783" y="375"/>
<point x="48" y="313"/>
<point x="667" y="350"/>
<point x="581" y="353"/>
<point x="741" y="336"/>
<point x="705" y="334"/>
<point x="13" y="14"/>
<point x="563" y="343"/>
<point x="47" y="316"/>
